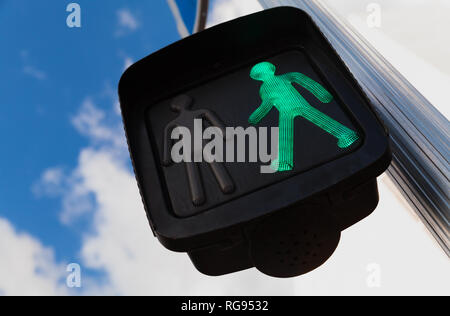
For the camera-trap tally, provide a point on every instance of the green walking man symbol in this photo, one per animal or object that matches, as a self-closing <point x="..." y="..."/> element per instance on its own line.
<point x="278" y="91"/>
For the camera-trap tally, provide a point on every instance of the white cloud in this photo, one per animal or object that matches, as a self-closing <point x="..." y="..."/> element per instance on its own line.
<point x="421" y="73"/>
<point x="416" y="50"/>
<point x="225" y="10"/>
<point x="34" y="72"/>
<point x="50" y="182"/>
<point x="127" y="63"/>
<point x="90" y="122"/>
<point x="26" y="266"/>
<point x="77" y="200"/>
<point x="105" y="134"/>
<point x="30" y="70"/>
<point x="53" y="176"/>
<point x="127" y="22"/>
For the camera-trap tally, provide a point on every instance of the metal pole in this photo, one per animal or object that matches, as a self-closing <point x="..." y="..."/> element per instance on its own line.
<point x="419" y="132"/>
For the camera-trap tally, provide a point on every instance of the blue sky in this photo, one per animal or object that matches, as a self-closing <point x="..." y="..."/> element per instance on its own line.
<point x="68" y="194"/>
<point x="48" y="70"/>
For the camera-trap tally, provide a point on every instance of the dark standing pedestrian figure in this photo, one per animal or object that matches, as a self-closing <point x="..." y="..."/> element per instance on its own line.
<point x="186" y="118"/>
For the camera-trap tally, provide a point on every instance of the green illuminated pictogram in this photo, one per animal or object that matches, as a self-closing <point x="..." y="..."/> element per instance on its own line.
<point x="279" y="91"/>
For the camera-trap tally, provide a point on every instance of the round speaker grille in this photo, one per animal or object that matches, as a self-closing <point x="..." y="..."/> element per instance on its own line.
<point x="292" y="245"/>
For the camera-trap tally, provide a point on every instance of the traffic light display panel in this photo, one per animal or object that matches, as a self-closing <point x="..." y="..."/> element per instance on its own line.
<point x="253" y="145"/>
<point x="315" y="127"/>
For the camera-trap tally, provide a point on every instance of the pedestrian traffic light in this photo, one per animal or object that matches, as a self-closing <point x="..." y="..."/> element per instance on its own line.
<point x="200" y="116"/>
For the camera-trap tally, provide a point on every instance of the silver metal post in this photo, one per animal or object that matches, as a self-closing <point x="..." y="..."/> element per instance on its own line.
<point x="419" y="132"/>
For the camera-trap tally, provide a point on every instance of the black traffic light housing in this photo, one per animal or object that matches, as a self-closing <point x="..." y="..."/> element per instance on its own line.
<point x="231" y="217"/>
